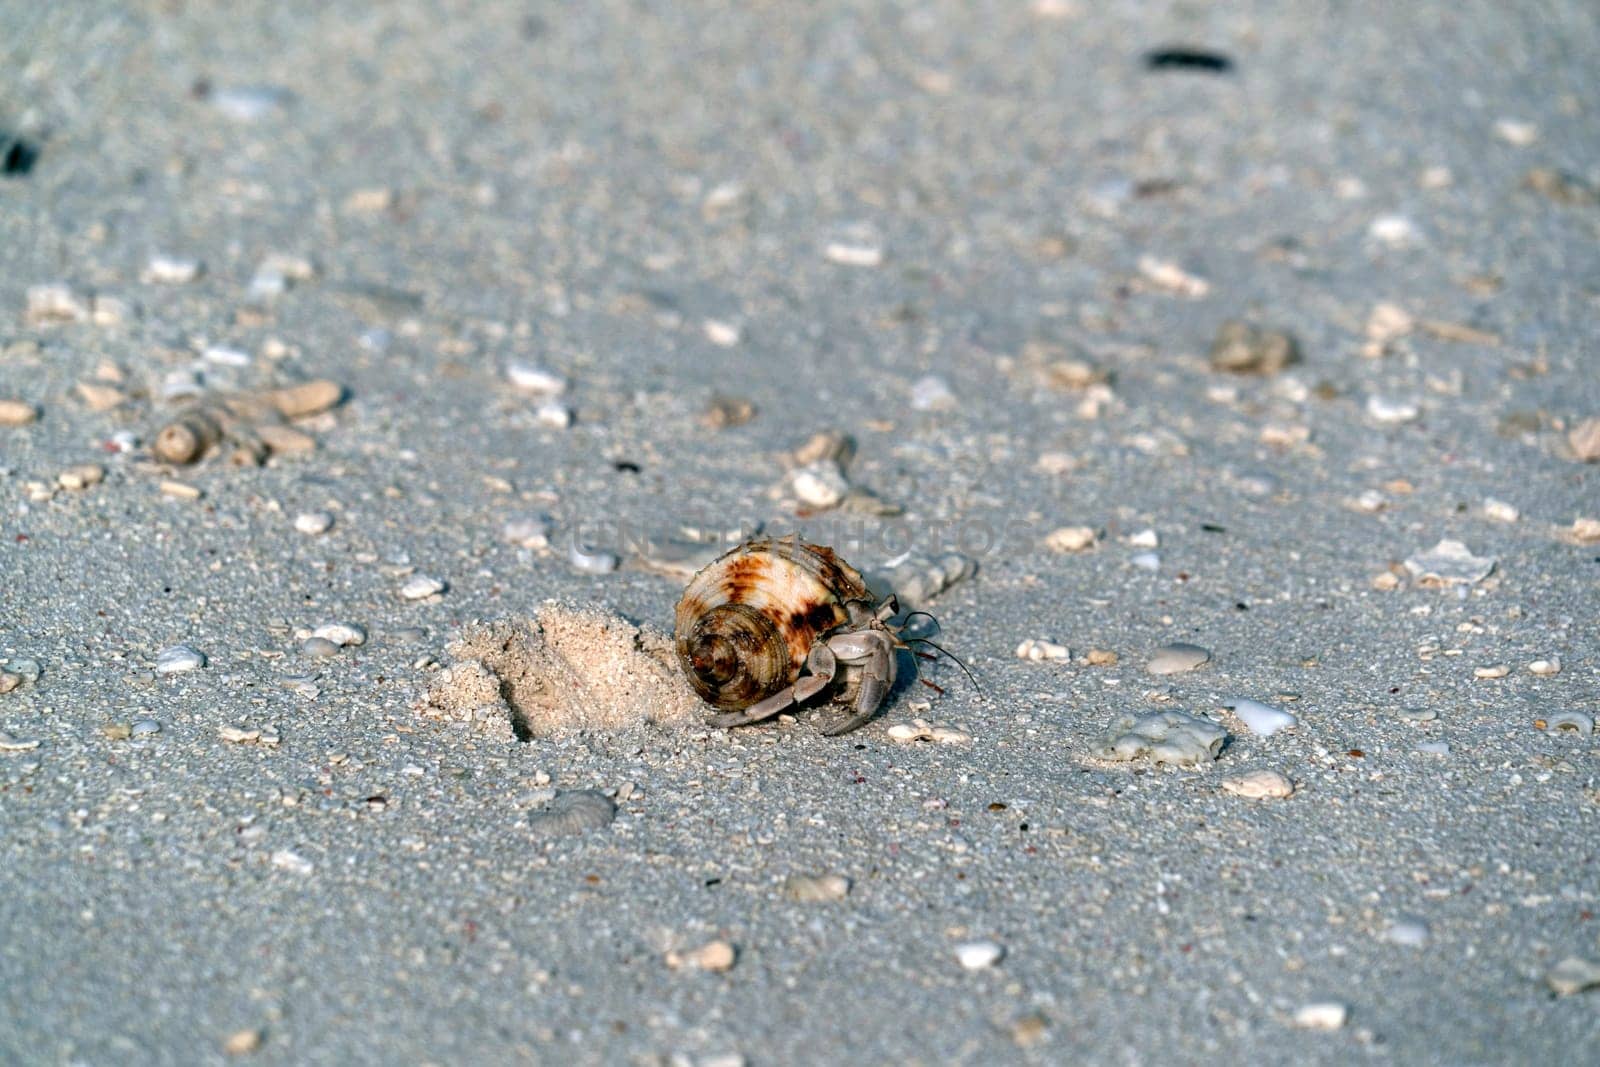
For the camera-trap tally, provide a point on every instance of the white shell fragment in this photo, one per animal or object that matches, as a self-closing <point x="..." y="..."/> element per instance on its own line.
<point x="1071" y="539"/>
<point x="1264" y="720"/>
<point x="179" y="659"/>
<point x="1409" y="932"/>
<point x="921" y="730"/>
<point x="342" y="634"/>
<point x="170" y="270"/>
<point x="1177" y="658"/>
<point x="1573" y="975"/>
<point x="979" y="955"/>
<point x="1038" y="648"/>
<point x="572" y="811"/>
<point x="312" y="523"/>
<point x="1164" y="737"/>
<point x="820" y="485"/>
<point x="1259" y="785"/>
<point x="1500" y="511"/>
<point x="421" y="587"/>
<point x="527" y="532"/>
<point x="816" y="888"/>
<point x="1392" y="411"/>
<point x="1321" y="1015"/>
<point x="588" y="560"/>
<point x="535" y="379"/>
<point x="1450" y="563"/>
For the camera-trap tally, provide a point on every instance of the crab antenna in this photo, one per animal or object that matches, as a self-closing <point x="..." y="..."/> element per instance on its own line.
<point x="954" y="658"/>
<point x="911" y="615"/>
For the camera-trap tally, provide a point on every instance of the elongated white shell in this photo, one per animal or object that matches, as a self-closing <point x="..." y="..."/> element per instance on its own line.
<point x="747" y="620"/>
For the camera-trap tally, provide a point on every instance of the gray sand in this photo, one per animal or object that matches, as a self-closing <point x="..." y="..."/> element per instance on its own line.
<point x="810" y="207"/>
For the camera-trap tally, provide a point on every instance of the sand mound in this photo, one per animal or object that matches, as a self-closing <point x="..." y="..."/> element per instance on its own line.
<point x="566" y="668"/>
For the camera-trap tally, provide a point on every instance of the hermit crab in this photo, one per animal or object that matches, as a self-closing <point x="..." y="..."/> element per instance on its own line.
<point x="778" y="623"/>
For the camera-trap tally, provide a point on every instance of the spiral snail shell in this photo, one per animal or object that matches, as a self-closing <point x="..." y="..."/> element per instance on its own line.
<point x="748" y="620"/>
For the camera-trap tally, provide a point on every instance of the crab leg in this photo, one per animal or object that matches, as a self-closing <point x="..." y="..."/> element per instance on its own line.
<point x="873" y="650"/>
<point x="822" y="665"/>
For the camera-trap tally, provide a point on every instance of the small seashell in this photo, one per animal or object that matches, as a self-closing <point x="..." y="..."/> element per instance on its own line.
<point x="179" y="659"/>
<point x="535" y="379"/>
<point x="1037" y="648"/>
<point x="572" y="811"/>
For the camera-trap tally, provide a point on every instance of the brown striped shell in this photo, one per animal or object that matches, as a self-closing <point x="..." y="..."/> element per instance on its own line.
<point x="748" y="619"/>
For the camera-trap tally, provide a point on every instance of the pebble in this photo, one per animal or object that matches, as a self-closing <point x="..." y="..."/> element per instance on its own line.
<point x="81" y="476"/>
<point x="1071" y="539"/>
<point x="179" y="659"/>
<point x="1572" y="722"/>
<point x="1038" y="648"/>
<point x="1264" y="720"/>
<point x="1145" y="539"/>
<point x="1516" y="132"/>
<point x="554" y="414"/>
<point x="17" y="412"/>
<point x="116" y="731"/>
<point x="1450" y="563"/>
<point x="721" y="333"/>
<point x="820" y="485"/>
<point x="1177" y="658"/>
<point x="9" y="681"/>
<point x="180" y="490"/>
<point x="527" y="532"/>
<point x="714" y="956"/>
<point x="1410" y="932"/>
<point x="238" y="735"/>
<point x="1584" y="440"/>
<point x="1101" y="657"/>
<point x="342" y="634"/>
<point x="1146" y="561"/>
<point x="1172" y="278"/>
<point x="1584" y="531"/>
<point x="242" y="1042"/>
<point x="535" y="379"/>
<point x="1573" y="975"/>
<point x="1164" y="737"/>
<point x="979" y="955"/>
<point x="921" y="730"/>
<point x="1545" y="667"/>
<point x="1242" y="348"/>
<point x="421" y="587"/>
<point x="223" y="356"/>
<point x="1500" y="511"/>
<point x="1499" y="670"/>
<point x="170" y="270"/>
<point x="932" y="393"/>
<point x="856" y="245"/>
<point x="816" y="888"/>
<point x="250" y="103"/>
<point x="318" y="648"/>
<point x="1259" y="785"/>
<point x="145" y="727"/>
<point x="1396" y="231"/>
<point x="1392" y="411"/>
<point x="723" y="411"/>
<point x="9" y="743"/>
<point x="1321" y="1015"/>
<point x="572" y="811"/>
<point x="312" y="523"/>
